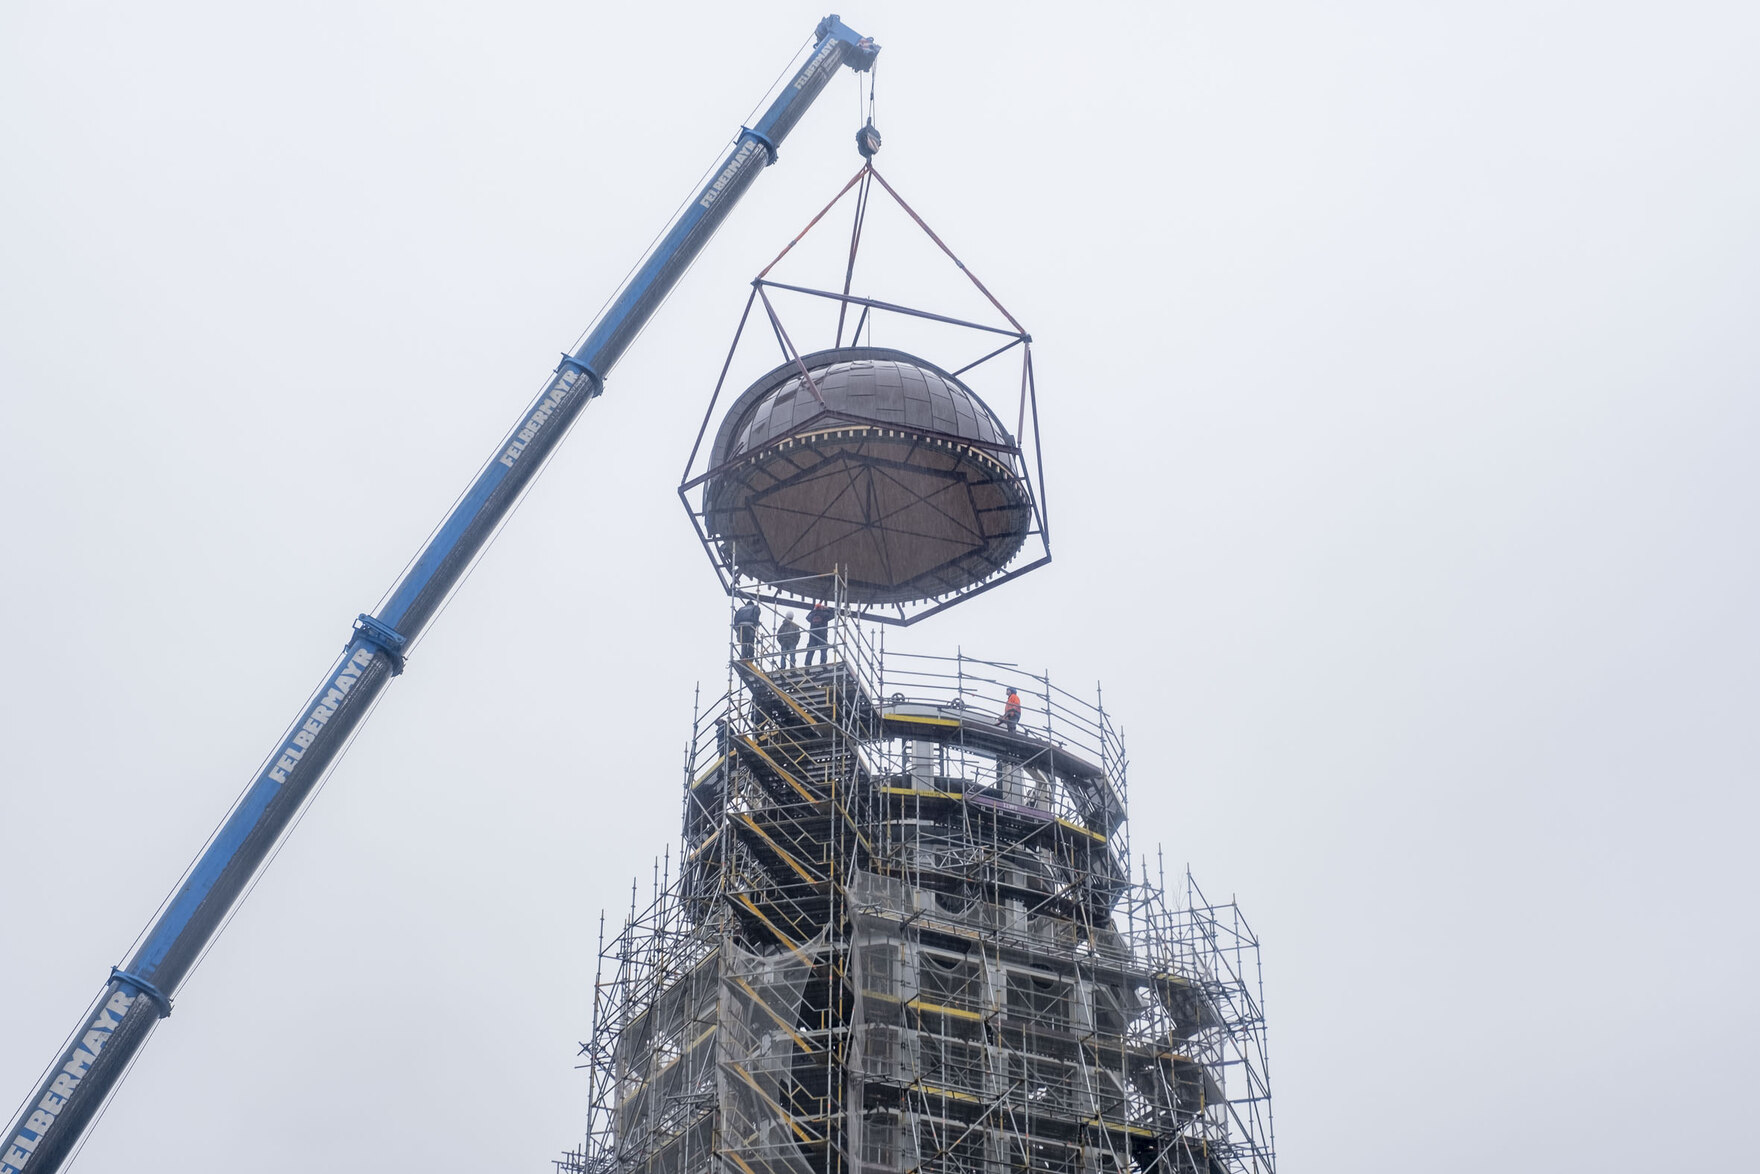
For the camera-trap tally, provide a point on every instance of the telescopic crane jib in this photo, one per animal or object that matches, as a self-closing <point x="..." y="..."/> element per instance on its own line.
<point x="139" y="994"/>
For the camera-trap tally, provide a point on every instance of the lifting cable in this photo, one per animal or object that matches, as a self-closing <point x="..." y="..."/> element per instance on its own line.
<point x="855" y="243"/>
<point x="867" y="144"/>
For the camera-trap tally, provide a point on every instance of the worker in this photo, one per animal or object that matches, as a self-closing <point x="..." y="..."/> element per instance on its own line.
<point x="788" y="637"/>
<point x="817" y="621"/>
<point x="745" y="626"/>
<point x="1011" y="710"/>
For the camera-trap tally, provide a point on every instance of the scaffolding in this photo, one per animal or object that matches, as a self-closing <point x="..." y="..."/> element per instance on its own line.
<point x="902" y="935"/>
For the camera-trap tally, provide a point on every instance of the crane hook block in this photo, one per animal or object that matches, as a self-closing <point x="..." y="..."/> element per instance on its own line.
<point x="868" y="141"/>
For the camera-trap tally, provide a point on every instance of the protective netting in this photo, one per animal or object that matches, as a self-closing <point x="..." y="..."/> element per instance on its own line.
<point x="665" y="1076"/>
<point x="766" y="1116"/>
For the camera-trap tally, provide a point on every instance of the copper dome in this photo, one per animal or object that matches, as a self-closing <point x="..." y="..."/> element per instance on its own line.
<point x="883" y="465"/>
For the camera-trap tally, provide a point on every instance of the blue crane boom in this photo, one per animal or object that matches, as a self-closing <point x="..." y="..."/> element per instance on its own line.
<point x="139" y="994"/>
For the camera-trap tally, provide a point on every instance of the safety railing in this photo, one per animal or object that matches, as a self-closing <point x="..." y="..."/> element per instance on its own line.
<point x="769" y="658"/>
<point x="982" y="687"/>
<point x="979" y="687"/>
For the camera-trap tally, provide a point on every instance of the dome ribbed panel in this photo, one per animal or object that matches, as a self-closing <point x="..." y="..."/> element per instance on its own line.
<point x="858" y="385"/>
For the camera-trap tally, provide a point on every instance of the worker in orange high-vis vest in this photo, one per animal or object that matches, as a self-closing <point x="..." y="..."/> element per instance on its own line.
<point x="1011" y="710"/>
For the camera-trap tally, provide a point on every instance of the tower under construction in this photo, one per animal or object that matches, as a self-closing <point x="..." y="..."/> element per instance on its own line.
<point x="905" y="935"/>
<point x="904" y="931"/>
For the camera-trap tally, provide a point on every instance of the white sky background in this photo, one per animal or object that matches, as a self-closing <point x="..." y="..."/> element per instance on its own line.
<point x="1397" y="366"/>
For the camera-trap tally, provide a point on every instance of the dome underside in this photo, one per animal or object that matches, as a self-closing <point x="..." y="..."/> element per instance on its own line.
<point x="879" y="392"/>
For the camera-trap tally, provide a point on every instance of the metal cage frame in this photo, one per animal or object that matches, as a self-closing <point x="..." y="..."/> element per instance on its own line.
<point x="1027" y="461"/>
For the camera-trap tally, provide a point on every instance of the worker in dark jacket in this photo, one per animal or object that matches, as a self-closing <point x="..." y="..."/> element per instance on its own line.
<point x="817" y="621"/>
<point x="788" y="638"/>
<point x="745" y="626"/>
<point x="1011" y="710"/>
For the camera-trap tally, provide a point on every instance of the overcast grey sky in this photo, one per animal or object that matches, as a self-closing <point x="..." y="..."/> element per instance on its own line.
<point x="1398" y="374"/>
